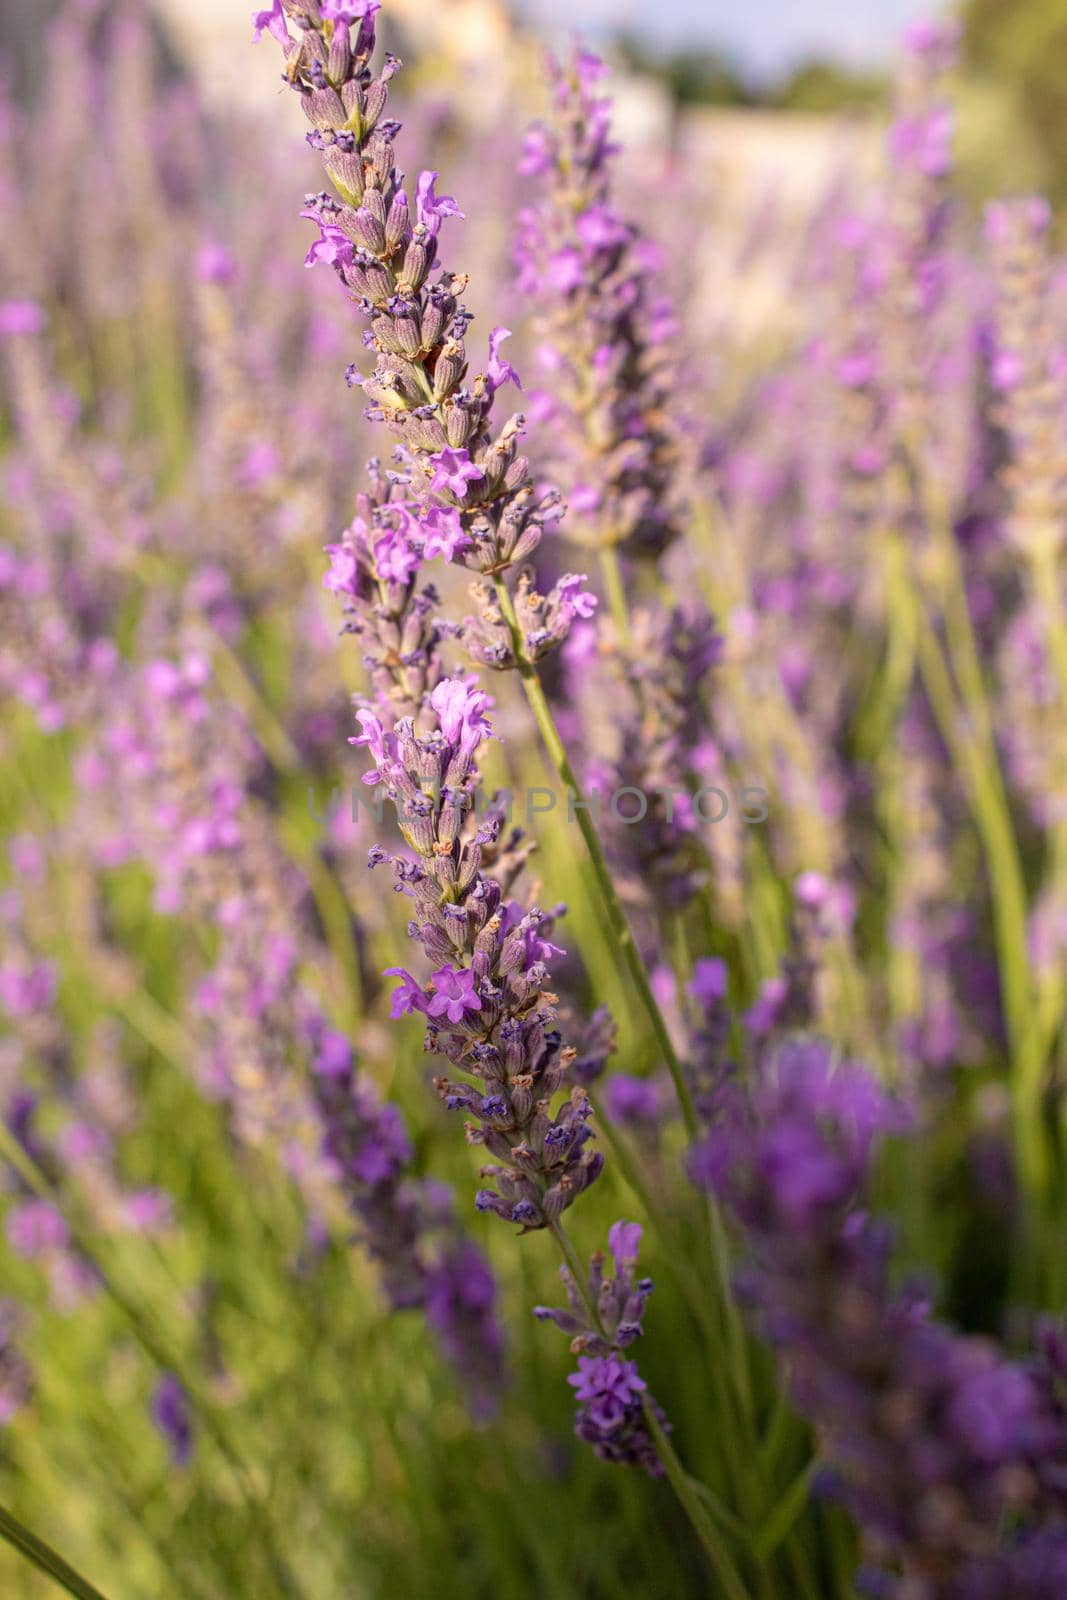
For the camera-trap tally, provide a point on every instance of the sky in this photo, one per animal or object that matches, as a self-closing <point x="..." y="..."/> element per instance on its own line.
<point x="765" y="37"/>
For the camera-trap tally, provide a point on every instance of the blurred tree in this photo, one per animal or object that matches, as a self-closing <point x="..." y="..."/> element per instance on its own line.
<point x="695" y="77"/>
<point x="708" y="78"/>
<point x="1016" y="50"/>
<point x="826" y="86"/>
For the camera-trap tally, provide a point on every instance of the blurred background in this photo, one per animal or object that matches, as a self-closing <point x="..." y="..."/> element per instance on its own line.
<point x="688" y="60"/>
<point x="179" y="447"/>
<point x="768" y="96"/>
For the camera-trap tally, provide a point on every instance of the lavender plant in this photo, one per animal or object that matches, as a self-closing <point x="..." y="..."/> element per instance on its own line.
<point x="220" y="1181"/>
<point x="604" y="1317"/>
<point x="186" y="769"/>
<point x="466" y="489"/>
<point x="464" y="494"/>
<point x="606" y="327"/>
<point x="898" y="1399"/>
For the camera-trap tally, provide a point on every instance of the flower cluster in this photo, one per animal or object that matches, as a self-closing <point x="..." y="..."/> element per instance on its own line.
<point x="175" y="774"/>
<point x="604" y="1318"/>
<point x="407" y="1225"/>
<point x="916" y="269"/>
<point x="487" y="1005"/>
<point x="606" y="327"/>
<point x="659" y="747"/>
<point x="67" y="1122"/>
<point x="468" y="492"/>
<point x="456" y="491"/>
<point x="183" y="770"/>
<point x="374" y="570"/>
<point x="172" y="1415"/>
<point x="268" y="461"/>
<point x="1029" y="373"/>
<point x="58" y="590"/>
<point x="949" y="1455"/>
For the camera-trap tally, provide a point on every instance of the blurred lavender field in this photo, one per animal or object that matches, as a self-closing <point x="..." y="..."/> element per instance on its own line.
<point x="562" y="833"/>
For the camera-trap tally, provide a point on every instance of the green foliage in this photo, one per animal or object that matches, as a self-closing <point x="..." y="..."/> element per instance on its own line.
<point x="826" y="87"/>
<point x="695" y="77"/>
<point x="1016" y="51"/>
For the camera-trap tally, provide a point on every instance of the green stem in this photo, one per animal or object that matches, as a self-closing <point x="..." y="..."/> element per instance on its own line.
<point x="45" y="1559"/>
<point x="784" y="1515"/>
<point x="719" y="1557"/>
<point x="611" y="572"/>
<point x="985" y="793"/>
<point x="959" y="629"/>
<point x="574" y="1267"/>
<point x="235" y="680"/>
<point x="631" y="1176"/>
<point x="617" y="919"/>
<point x="627" y="946"/>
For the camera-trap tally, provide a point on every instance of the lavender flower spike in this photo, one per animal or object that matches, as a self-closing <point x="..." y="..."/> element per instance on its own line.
<point x="407" y="1225"/>
<point x="604" y="1318"/>
<point x="171" y="1415"/>
<point x="467" y="492"/>
<point x="950" y="1457"/>
<point x="487" y="1004"/>
<point x="1027" y="374"/>
<point x="605" y="326"/>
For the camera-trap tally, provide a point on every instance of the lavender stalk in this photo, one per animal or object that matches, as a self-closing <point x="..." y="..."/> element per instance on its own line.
<point x="900" y="1401"/>
<point x="605" y="333"/>
<point x="466" y="493"/>
<point x="461" y="492"/>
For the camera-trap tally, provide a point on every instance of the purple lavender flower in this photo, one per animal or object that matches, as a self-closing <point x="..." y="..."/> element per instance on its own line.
<point x="638" y="1103"/>
<point x="486" y="1003"/>
<point x="658" y="674"/>
<point x="431" y="210"/>
<point x="385" y="249"/>
<point x="273" y="21"/>
<point x="408" y="995"/>
<point x="455" y="995"/>
<point x="461" y="711"/>
<point x="349" y="11"/>
<point x="407" y="1226"/>
<point x="605" y="326"/>
<point x="172" y="1415"/>
<point x="20" y="317"/>
<point x="1029" y="373"/>
<point x="36" y="1229"/>
<point x="708" y="983"/>
<point x="913" y="264"/>
<point x="454" y="470"/>
<point x="16" y="1374"/>
<point x="608" y="1388"/>
<point x="25" y="990"/>
<point x="603" y="1322"/>
<point x="899" y="1401"/>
